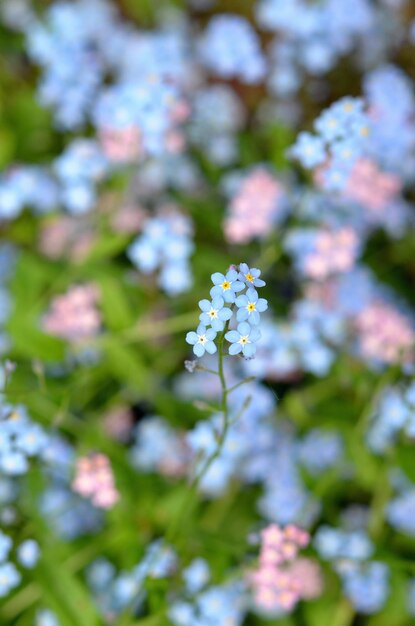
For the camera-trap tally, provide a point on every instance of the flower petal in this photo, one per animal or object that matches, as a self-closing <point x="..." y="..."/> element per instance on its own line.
<point x="210" y="347"/>
<point x="244" y="329"/>
<point x="204" y="305"/>
<point x="199" y="350"/>
<point x="249" y="350"/>
<point x="217" y="278"/>
<point x="255" y="334"/>
<point x="232" y="336"/>
<point x="261" y="305"/>
<point x="191" y="337"/>
<point x="252" y="295"/>
<point x="241" y="301"/>
<point x="235" y="348"/>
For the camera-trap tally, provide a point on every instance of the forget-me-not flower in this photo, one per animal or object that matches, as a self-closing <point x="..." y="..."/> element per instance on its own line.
<point x="214" y="313"/>
<point x="250" y="276"/>
<point x="250" y="306"/>
<point x="243" y="339"/>
<point x="9" y="578"/>
<point x="226" y="286"/>
<point x="202" y="340"/>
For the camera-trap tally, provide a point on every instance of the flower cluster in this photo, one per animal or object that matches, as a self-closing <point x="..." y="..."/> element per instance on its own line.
<point x="320" y="253"/>
<point x="165" y="243"/>
<point x="218" y="52"/>
<point x="226" y="306"/>
<point x="27" y="554"/>
<point x="74" y="315"/>
<point x="385" y="334"/>
<point x="255" y="207"/>
<point x="20" y="440"/>
<point x="276" y="583"/>
<point x="342" y="138"/>
<point x="94" y="480"/>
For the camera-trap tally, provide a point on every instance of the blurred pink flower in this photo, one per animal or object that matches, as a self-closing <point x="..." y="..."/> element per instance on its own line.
<point x="129" y="219"/>
<point x="121" y="144"/>
<point x="74" y="316"/>
<point x="277" y="582"/>
<point x="118" y="423"/>
<point x="385" y="334"/>
<point x="371" y="187"/>
<point x="94" y="480"/>
<point x="334" y="251"/>
<point x="253" y="209"/>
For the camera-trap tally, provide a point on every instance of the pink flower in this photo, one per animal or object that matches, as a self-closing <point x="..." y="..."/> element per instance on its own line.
<point x="255" y="206"/>
<point x="121" y="144"/>
<point x="94" y="480"/>
<point x="276" y="583"/>
<point x="334" y="251"/>
<point x="371" y="187"/>
<point x="118" y="423"/>
<point x="385" y="334"/>
<point x="74" y="316"/>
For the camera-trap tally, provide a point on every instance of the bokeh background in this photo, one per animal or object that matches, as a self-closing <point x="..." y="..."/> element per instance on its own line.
<point x="144" y="146"/>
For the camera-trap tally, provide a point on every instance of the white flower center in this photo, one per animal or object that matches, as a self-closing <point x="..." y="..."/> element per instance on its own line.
<point x="244" y="340"/>
<point x="202" y="339"/>
<point x="213" y="313"/>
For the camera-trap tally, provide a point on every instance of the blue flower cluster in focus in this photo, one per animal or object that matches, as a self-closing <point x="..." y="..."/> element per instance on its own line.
<point x="225" y="305"/>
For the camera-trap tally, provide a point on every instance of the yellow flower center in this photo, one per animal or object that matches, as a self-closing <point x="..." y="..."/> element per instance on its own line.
<point x="364" y="131"/>
<point x="226" y="285"/>
<point x="249" y="277"/>
<point x="251" y="307"/>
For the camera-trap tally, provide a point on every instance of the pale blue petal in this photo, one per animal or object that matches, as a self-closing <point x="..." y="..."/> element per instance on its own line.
<point x="199" y="350"/>
<point x="261" y="305"/>
<point x="205" y="305"/>
<point x="241" y="301"/>
<point x="225" y="314"/>
<point x="242" y="315"/>
<point x="210" y="334"/>
<point x="237" y="286"/>
<point x="218" y="302"/>
<point x="249" y="350"/>
<point x="235" y="348"/>
<point x="210" y="347"/>
<point x="244" y="328"/>
<point x="191" y="337"/>
<point x="254" y="318"/>
<point x="255" y="334"/>
<point x="232" y="336"/>
<point x="252" y="295"/>
<point x="217" y="278"/>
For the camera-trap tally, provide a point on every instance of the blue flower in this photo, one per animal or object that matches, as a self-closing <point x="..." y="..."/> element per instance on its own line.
<point x="243" y="340"/>
<point x="9" y="578"/>
<point x="226" y="285"/>
<point x="250" y="276"/>
<point x="202" y="340"/>
<point x="28" y="553"/>
<point x="309" y="150"/>
<point x="250" y="306"/>
<point x="196" y="575"/>
<point x="214" y="313"/>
